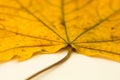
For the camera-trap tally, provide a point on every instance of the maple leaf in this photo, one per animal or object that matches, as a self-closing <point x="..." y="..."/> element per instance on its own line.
<point x="28" y="27"/>
<point x="91" y="27"/>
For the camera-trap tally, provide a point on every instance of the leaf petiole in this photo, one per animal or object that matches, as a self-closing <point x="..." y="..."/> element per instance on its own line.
<point x="53" y="65"/>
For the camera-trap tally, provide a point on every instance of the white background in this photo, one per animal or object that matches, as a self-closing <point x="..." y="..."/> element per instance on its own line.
<point x="78" y="67"/>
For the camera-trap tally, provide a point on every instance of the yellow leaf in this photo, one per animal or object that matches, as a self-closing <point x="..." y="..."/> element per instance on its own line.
<point x="28" y="27"/>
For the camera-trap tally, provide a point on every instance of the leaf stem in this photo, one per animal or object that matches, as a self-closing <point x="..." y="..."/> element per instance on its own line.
<point x="53" y="65"/>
